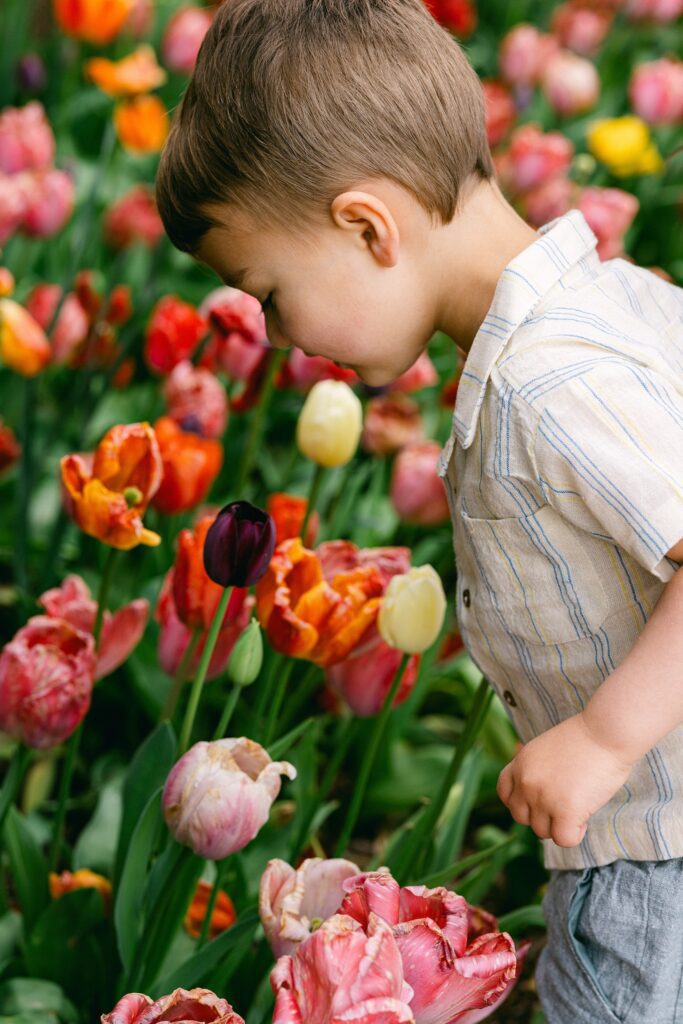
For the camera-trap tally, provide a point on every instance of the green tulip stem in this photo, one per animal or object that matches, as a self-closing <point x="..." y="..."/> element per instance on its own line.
<point x="257" y="422"/>
<point x="206" y="923"/>
<point x="342" y="742"/>
<point x="313" y="495"/>
<point x="368" y="760"/>
<point x="276" y="702"/>
<point x="230" y="705"/>
<point x="103" y="595"/>
<point x="24" y="487"/>
<point x="13" y="779"/>
<point x="180" y="676"/>
<point x="196" y="691"/>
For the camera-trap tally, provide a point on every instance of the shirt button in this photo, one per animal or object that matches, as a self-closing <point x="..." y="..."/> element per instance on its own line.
<point x="466" y="600"/>
<point x="507" y="696"/>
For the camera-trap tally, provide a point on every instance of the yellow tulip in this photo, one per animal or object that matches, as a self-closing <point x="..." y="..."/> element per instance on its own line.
<point x="624" y="145"/>
<point x="413" y="610"/>
<point x="330" y="424"/>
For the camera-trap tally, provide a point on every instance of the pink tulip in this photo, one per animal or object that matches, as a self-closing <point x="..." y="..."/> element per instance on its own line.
<point x="302" y="371"/>
<point x="342" y="556"/>
<point x="121" y="631"/>
<point x="26" y="139"/>
<point x="139" y="21"/>
<point x="293" y="902"/>
<point x="523" y="54"/>
<point x="571" y="84"/>
<point x="12" y="205"/>
<point x="196" y="400"/>
<point x="656" y="91"/>
<point x="238" y="344"/>
<point x="391" y="421"/>
<point x="417" y="492"/>
<point x="535" y="156"/>
<point x="218" y="795"/>
<point x="364" y="679"/>
<point x="183" y="36"/>
<point x="341" y="973"/>
<point x="581" y="29"/>
<point x="662" y="11"/>
<point x="501" y="112"/>
<point x="133" y="218"/>
<point x="552" y="199"/>
<point x="49" y="197"/>
<point x="193" y="1006"/>
<point x="46" y="679"/>
<point x="421" y="374"/>
<point x="73" y="323"/>
<point x="609" y="213"/>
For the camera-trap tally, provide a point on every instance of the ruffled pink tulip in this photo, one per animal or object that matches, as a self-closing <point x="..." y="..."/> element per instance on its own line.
<point x="133" y="218"/>
<point x="343" y="973"/>
<point x="218" y="795"/>
<point x="121" y="630"/>
<point x="656" y="91"/>
<point x="501" y="112"/>
<point x="338" y="556"/>
<point x="193" y="1006"/>
<point x="49" y="197"/>
<point x="417" y="492"/>
<point x="571" y="83"/>
<point x="422" y="374"/>
<point x="238" y="344"/>
<point x="183" y="36"/>
<point x="293" y="902"/>
<point x="391" y="421"/>
<point x="26" y="139"/>
<point x="609" y="213"/>
<point x="196" y="400"/>
<point x="552" y="199"/>
<point x="12" y="205"/>
<point x="46" y="680"/>
<point x="533" y="157"/>
<point x="523" y="54"/>
<point x="581" y="29"/>
<point x="302" y="371"/>
<point x="662" y="11"/>
<point x="364" y="679"/>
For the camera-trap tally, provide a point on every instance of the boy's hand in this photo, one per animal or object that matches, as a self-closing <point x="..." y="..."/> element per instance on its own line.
<point x="559" y="779"/>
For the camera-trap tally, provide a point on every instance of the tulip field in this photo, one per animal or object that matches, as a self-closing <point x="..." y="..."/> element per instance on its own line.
<point x="247" y="769"/>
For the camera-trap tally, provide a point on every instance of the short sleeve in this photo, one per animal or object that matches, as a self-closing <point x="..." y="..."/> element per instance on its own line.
<point x="609" y="455"/>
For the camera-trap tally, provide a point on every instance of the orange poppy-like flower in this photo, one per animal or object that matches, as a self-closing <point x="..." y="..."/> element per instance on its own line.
<point x="137" y="73"/>
<point x="288" y="511"/>
<point x="24" y="347"/>
<point x="191" y="463"/>
<point x="109" y="490"/>
<point x="84" y="878"/>
<point x="307" y="616"/>
<point x="95" y="21"/>
<point x="223" y="915"/>
<point x="141" y="124"/>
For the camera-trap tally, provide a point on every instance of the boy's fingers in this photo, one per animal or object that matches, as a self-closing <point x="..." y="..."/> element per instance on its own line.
<point x="505" y="785"/>
<point x="566" y="833"/>
<point x="541" y="824"/>
<point x="519" y="809"/>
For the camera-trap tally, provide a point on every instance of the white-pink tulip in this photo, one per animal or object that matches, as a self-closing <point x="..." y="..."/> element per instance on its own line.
<point x="571" y="83"/>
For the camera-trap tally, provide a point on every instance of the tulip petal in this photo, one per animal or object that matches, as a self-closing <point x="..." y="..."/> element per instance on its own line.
<point x="121" y="633"/>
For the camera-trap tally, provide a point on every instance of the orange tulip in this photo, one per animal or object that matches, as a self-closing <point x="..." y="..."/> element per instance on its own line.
<point x="95" y="21"/>
<point x="191" y="464"/>
<point x="288" y="511"/>
<point x="141" y="124"/>
<point x="223" y="915"/>
<point x="24" y="347"/>
<point x="81" y="879"/>
<point x="196" y="596"/>
<point x="108" y="491"/>
<point x="135" y="74"/>
<point x="305" y="616"/>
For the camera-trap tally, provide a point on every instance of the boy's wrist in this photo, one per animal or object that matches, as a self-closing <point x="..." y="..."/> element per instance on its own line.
<point x="602" y="731"/>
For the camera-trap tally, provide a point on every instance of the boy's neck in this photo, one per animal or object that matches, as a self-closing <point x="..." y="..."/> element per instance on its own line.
<point x="471" y="253"/>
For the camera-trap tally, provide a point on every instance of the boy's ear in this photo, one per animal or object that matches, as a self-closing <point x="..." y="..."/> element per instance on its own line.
<point x="371" y="220"/>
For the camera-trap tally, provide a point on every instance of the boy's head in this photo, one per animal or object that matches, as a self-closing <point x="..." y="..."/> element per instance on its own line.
<point x="318" y="144"/>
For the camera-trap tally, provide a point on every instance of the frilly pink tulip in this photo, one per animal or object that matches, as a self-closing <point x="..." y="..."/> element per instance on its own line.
<point x="571" y="83"/>
<point x="121" y="630"/>
<point x="552" y="199"/>
<point x="218" y="795"/>
<point x="49" y="197"/>
<point x="534" y="156"/>
<point x="196" y="400"/>
<point x="293" y="902"/>
<point x="73" y="323"/>
<point x="133" y="218"/>
<point x="46" y="679"/>
<point x="193" y="1006"/>
<point x="422" y="374"/>
<point x="656" y="91"/>
<point x="523" y="54"/>
<point x="238" y="344"/>
<point x="365" y="677"/>
<point x="501" y="112"/>
<point x="341" y="973"/>
<point x="581" y="29"/>
<point x="12" y="205"/>
<point x="417" y="492"/>
<point x="609" y="213"/>
<point x="391" y="421"/>
<point x="661" y="11"/>
<point x="302" y="371"/>
<point x="26" y="139"/>
<point x="183" y="36"/>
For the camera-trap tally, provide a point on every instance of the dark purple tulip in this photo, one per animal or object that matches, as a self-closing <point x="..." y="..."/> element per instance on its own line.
<point x="239" y="545"/>
<point x="31" y="73"/>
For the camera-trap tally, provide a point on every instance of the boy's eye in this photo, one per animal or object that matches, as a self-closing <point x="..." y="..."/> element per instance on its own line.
<point x="267" y="302"/>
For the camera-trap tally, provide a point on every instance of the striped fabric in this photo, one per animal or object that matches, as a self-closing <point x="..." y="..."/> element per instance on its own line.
<point x="564" y="475"/>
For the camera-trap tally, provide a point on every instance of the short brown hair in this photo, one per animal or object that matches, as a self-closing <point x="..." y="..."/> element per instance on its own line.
<point x="294" y="101"/>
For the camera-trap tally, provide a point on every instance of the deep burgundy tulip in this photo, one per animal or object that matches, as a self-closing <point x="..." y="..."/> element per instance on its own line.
<point x="239" y="545"/>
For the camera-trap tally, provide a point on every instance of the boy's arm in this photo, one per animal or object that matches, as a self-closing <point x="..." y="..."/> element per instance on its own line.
<point x="561" y="777"/>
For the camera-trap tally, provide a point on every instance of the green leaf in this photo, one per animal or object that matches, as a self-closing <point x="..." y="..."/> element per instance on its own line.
<point x="456" y="813"/>
<point x="446" y="874"/>
<point x="131" y="886"/>
<point x="96" y="845"/>
<point x="10" y="932"/>
<point x="28" y="867"/>
<point x="35" y="999"/>
<point x="279" y="748"/>
<point x="517" y="921"/>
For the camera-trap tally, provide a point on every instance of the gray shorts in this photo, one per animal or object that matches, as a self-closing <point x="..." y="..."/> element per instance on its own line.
<point x="614" y="953"/>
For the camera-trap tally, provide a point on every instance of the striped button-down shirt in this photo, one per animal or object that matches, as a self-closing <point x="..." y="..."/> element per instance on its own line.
<point x="564" y="475"/>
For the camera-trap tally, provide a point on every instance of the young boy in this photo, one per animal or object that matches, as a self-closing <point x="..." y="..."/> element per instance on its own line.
<point x="330" y="157"/>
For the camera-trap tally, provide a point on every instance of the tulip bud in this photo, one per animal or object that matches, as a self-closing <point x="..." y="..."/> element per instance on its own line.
<point x="239" y="545"/>
<point x="413" y="610"/>
<point x="330" y="424"/>
<point x="247" y="656"/>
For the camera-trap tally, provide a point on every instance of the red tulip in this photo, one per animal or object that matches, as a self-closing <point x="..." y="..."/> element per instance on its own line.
<point x="183" y="36"/>
<point x="417" y="492"/>
<point x="661" y="11"/>
<point x="364" y="678"/>
<point x="191" y="464"/>
<point x="173" y="333"/>
<point x="196" y="400"/>
<point x="10" y="449"/>
<point x="391" y="421"/>
<point x="133" y="218"/>
<point x="533" y="157"/>
<point x="581" y="29"/>
<point x="49" y="199"/>
<point x="523" y="54"/>
<point x="501" y="112"/>
<point x="552" y="199"/>
<point x="12" y="205"/>
<point x="288" y="511"/>
<point x="238" y="344"/>
<point x="422" y="374"/>
<point x="458" y="16"/>
<point x="302" y="371"/>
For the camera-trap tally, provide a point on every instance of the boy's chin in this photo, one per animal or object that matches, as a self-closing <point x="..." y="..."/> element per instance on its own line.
<point x="375" y="378"/>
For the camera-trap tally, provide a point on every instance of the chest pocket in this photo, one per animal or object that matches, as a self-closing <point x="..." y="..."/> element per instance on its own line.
<point x="538" y="575"/>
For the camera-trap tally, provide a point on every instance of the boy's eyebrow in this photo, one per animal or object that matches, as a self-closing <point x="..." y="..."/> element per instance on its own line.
<point x="235" y="280"/>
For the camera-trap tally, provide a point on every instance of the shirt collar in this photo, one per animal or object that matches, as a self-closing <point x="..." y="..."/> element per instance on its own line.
<point x="526" y="279"/>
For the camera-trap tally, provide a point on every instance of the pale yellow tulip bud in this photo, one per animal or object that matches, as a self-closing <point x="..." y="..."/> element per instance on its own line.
<point x="330" y="424"/>
<point x="413" y="610"/>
